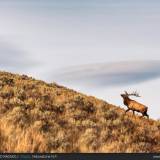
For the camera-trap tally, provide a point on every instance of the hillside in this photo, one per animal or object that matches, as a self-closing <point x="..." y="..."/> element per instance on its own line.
<point x="39" y="117"/>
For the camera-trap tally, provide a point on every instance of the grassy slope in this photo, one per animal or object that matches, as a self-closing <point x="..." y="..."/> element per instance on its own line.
<point x="40" y="117"/>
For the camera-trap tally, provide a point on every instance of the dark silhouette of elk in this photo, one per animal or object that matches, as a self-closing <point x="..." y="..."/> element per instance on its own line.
<point x="133" y="105"/>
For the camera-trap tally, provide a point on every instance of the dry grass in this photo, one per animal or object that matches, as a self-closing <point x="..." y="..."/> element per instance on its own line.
<point x="40" y="117"/>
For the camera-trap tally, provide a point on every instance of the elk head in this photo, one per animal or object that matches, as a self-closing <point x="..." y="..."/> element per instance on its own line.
<point x="126" y="94"/>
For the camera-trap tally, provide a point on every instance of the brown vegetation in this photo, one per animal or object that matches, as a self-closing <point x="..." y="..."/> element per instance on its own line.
<point x="40" y="117"/>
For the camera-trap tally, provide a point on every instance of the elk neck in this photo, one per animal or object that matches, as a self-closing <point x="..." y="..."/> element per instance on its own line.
<point x="126" y="100"/>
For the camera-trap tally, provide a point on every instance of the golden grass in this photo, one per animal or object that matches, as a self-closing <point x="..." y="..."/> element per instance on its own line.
<point x="40" y="117"/>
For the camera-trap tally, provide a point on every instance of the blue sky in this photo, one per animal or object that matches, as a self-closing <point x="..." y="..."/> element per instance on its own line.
<point x="45" y="38"/>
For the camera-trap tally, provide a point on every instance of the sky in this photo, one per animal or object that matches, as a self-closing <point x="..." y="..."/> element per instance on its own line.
<point x="98" y="47"/>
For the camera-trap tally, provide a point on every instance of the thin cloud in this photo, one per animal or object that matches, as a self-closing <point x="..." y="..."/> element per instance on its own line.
<point x="110" y="74"/>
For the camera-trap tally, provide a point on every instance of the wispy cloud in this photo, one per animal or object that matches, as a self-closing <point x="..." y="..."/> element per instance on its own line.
<point x="110" y="74"/>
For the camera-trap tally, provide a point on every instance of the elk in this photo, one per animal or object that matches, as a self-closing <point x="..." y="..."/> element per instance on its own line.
<point x="133" y="105"/>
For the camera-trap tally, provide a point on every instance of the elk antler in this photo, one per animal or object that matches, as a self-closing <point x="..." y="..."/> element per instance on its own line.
<point x="126" y="93"/>
<point x="132" y="94"/>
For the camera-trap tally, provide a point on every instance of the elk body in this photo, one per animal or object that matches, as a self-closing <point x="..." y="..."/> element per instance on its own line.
<point x="133" y="105"/>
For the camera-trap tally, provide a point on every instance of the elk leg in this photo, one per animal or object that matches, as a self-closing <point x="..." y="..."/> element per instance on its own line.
<point x="145" y="114"/>
<point x="127" y="110"/>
